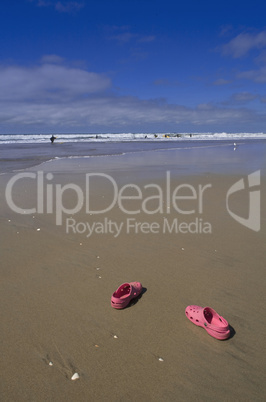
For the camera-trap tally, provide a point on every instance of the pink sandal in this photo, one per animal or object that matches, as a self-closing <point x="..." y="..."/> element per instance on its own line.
<point x="209" y="319"/>
<point x="126" y="292"/>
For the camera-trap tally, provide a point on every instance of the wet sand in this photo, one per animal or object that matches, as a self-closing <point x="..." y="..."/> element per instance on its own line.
<point x="56" y="317"/>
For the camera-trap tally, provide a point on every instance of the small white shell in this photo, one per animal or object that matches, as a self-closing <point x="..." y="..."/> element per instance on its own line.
<point x="115" y="336"/>
<point x="75" y="376"/>
<point x="160" y="359"/>
<point x="51" y="363"/>
<point x="38" y="229"/>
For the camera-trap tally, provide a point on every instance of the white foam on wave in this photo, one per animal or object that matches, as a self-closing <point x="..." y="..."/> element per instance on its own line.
<point x="113" y="137"/>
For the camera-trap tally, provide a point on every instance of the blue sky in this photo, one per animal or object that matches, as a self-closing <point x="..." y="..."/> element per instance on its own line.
<point x="132" y="66"/>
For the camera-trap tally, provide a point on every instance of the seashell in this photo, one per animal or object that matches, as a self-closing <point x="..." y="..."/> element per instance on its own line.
<point x="38" y="229"/>
<point x="51" y="363"/>
<point x="160" y="359"/>
<point x="75" y="376"/>
<point x="115" y="336"/>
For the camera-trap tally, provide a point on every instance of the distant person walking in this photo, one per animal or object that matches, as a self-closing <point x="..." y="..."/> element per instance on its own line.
<point x="52" y="139"/>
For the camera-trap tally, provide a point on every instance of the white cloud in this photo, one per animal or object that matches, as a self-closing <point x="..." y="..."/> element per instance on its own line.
<point x="123" y="37"/>
<point x="52" y="58"/>
<point x="221" y="81"/>
<point x="43" y="3"/>
<point x="48" y="82"/>
<point x="241" y="98"/>
<point x="61" y="6"/>
<point x="254" y="75"/>
<point x="123" y="34"/>
<point x="243" y="43"/>
<point x="55" y="97"/>
<point x="68" y="6"/>
<point x="263" y="99"/>
<point x="114" y="114"/>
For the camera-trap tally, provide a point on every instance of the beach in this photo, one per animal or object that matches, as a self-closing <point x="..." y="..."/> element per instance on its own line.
<point x="74" y="229"/>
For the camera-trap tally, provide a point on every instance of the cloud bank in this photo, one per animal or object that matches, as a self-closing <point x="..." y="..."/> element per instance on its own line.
<point x="54" y="96"/>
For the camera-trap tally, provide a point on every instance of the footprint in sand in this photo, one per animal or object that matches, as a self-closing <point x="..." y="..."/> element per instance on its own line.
<point x="65" y="367"/>
<point x="46" y="359"/>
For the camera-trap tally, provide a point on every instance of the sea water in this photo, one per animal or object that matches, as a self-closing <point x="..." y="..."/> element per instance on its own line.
<point x="114" y="137"/>
<point x="21" y="151"/>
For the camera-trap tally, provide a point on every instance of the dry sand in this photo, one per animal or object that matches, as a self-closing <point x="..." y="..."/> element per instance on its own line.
<point x="56" y="317"/>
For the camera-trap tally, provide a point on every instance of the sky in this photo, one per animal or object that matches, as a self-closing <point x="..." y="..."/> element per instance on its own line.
<point x="139" y="66"/>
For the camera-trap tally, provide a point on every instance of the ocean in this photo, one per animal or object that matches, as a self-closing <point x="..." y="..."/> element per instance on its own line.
<point x="114" y="137"/>
<point x="22" y="151"/>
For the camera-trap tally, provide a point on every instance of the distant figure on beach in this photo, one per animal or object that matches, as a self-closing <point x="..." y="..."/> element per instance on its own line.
<point x="52" y="139"/>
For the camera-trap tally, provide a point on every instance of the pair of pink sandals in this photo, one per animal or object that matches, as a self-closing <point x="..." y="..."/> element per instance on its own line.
<point x="206" y="317"/>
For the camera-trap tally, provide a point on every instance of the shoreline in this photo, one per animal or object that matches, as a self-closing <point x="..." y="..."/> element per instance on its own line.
<point x="16" y="157"/>
<point x="56" y="286"/>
